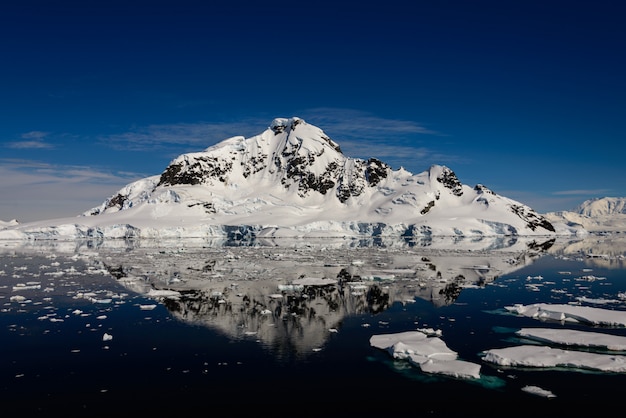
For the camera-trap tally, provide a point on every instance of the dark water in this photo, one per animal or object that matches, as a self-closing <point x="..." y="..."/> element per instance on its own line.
<point x="194" y="356"/>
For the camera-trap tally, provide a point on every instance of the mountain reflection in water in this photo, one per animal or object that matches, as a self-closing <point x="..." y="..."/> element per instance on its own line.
<point x="170" y="314"/>
<point x="292" y="294"/>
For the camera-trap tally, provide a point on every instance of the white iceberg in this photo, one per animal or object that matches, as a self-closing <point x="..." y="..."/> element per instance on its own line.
<point x="564" y="312"/>
<point x="577" y="338"/>
<point x="429" y="353"/>
<point x="547" y="357"/>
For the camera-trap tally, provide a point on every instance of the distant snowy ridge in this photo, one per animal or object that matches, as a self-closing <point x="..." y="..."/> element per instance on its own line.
<point x="607" y="214"/>
<point x="6" y="224"/>
<point x="292" y="180"/>
<point x="602" y="206"/>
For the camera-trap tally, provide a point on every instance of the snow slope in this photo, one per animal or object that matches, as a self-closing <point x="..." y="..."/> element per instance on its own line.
<point x="292" y="180"/>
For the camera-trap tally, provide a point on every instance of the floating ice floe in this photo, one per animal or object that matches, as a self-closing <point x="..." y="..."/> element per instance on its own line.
<point x="598" y="301"/>
<point x="27" y="286"/>
<point x="547" y="357"/>
<point x="563" y="312"/>
<point x="429" y="353"/>
<point x="576" y="338"/>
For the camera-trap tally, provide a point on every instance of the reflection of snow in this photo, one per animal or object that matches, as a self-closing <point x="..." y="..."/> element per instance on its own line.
<point x="314" y="281"/>
<point x="306" y="287"/>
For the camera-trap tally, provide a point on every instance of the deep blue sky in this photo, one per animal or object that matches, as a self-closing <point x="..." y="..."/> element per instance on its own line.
<point x="526" y="97"/>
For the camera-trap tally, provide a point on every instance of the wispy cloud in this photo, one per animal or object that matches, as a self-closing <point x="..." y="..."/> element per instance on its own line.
<point x="35" y="135"/>
<point x="200" y="135"/>
<point x="582" y="192"/>
<point x="27" y="172"/>
<point x="410" y="157"/>
<point x="31" y="140"/>
<point x="340" y="124"/>
<point x="354" y="123"/>
<point x="397" y="142"/>
<point x="35" y="190"/>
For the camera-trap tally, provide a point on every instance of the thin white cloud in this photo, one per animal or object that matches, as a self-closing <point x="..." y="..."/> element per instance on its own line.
<point x="397" y="142"/>
<point x="199" y="135"/>
<point x="582" y="192"/>
<point x="31" y="140"/>
<point x="29" y="145"/>
<point x="34" y="190"/>
<point x="25" y="172"/>
<point x="35" y="135"/>
<point x="339" y="122"/>
<point x="359" y="134"/>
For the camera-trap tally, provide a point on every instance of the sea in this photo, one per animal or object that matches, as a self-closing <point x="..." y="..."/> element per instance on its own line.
<point x="283" y="327"/>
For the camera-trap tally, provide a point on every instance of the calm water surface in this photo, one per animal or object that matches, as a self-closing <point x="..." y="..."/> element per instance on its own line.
<point x="90" y="331"/>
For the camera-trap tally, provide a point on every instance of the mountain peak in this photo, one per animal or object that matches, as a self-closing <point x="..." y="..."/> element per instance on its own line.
<point x="279" y="125"/>
<point x="447" y="178"/>
<point x="293" y="180"/>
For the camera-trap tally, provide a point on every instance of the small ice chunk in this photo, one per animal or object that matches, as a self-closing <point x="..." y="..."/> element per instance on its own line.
<point x="536" y="390"/>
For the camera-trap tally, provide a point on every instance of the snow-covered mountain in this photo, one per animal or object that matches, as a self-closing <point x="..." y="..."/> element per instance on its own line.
<point x="293" y="180"/>
<point x="602" y="207"/>
<point x="607" y="214"/>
